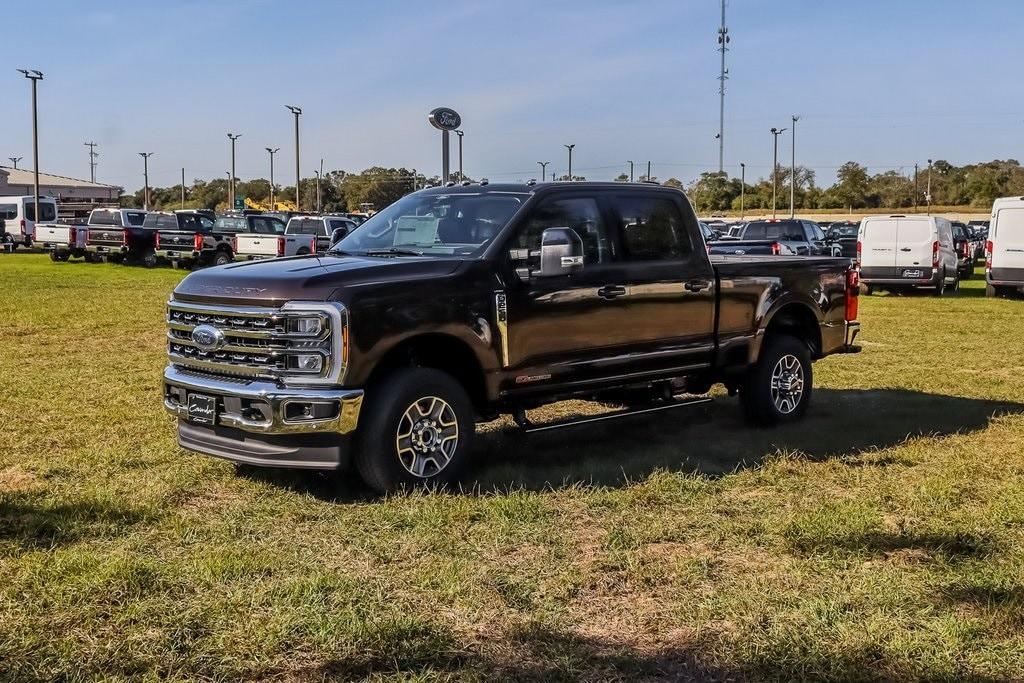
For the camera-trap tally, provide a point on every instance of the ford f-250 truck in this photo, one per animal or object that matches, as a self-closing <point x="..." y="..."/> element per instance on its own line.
<point x="118" y="234"/>
<point x="457" y="304"/>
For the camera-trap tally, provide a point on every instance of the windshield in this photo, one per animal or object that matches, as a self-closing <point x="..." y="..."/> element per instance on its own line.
<point x="460" y="224"/>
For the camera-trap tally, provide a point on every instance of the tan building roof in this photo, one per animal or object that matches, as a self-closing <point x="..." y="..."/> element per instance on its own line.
<point x="21" y="176"/>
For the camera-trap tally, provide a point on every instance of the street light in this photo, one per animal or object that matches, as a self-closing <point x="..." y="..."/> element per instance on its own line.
<point x="792" y="170"/>
<point x="569" y="147"/>
<point x="272" y="152"/>
<point x="928" y="192"/>
<point x="298" y="112"/>
<point x="630" y="170"/>
<point x="145" y="175"/>
<point x="15" y="160"/>
<point x="35" y="77"/>
<point x="543" y="170"/>
<point x="743" y="188"/>
<point x="231" y="187"/>
<point x="776" y="132"/>
<point x="460" y="133"/>
<point x="317" y="174"/>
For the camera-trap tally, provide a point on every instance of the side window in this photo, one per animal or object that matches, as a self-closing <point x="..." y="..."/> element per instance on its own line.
<point x="580" y="214"/>
<point x="136" y="219"/>
<point x="205" y="223"/>
<point x="652" y="228"/>
<point x="8" y="211"/>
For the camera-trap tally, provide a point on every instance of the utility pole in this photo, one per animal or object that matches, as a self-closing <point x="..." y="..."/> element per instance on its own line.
<point x="272" y="152"/>
<point x="648" y="171"/>
<point x="298" y="112"/>
<point x="723" y="76"/>
<point x="792" y="171"/>
<point x="743" y="188"/>
<point x="569" y="147"/>
<point x="630" y="170"/>
<point x="182" y="187"/>
<point x="145" y="176"/>
<point x="92" y="160"/>
<point x="543" y="170"/>
<point x="776" y="132"/>
<point x="462" y="176"/>
<point x="35" y="77"/>
<point x="928" y="191"/>
<point x="15" y="160"/>
<point x="231" y="187"/>
<point x="915" y="187"/>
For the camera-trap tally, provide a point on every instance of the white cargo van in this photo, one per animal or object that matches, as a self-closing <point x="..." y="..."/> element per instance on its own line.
<point x="18" y="216"/>
<point x="907" y="251"/>
<point x="1004" y="251"/>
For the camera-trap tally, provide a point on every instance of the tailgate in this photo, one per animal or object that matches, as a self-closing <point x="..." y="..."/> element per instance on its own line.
<point x="53" y="234"/>
<point x="107" y="237"/>
<point x="256" y="245"/>
<point x="176" y="239"/>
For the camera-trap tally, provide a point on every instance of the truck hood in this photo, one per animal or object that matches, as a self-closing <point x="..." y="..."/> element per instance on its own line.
<point x="309" y="278"/>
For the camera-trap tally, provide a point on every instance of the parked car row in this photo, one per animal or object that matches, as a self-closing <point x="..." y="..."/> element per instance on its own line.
<point x="189" y="238"/>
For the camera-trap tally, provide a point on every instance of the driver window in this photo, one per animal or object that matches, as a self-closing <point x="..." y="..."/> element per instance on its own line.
<point x="580" y="214"/>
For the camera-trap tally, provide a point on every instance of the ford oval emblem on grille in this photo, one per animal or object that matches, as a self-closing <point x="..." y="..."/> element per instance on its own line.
<point x="207" y="337"/>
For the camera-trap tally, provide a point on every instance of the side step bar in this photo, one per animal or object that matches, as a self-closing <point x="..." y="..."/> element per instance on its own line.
<point x="531" y="428"/>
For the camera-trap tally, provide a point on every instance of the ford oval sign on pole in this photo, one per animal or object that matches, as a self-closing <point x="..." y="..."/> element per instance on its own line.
<point x="444" y="119"/>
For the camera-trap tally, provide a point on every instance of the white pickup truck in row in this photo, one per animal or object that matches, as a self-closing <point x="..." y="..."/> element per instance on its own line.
<point x="267" y="237"/>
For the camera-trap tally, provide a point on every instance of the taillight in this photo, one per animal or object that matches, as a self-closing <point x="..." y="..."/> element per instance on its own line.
<point x="312" y="244"/>
<point x="967" y="250"/>
<point x="234" y="243"/>
<point x="197" y="242"/>
<point x="158" y="240"/>
<point x="280" y="246"/>
<point x="776" y="249"/>
<point x="124" y="237"/>
<point x="72" y="236"/>
<point x="988" y="256"/>
<point x="22" y="223"/>
<point x="852" y="293"/>
<point x="935" y="254"/>
<point x="860" y="249"/>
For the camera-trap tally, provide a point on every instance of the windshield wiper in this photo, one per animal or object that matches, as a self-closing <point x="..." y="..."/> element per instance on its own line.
<point x="392" y="251"/>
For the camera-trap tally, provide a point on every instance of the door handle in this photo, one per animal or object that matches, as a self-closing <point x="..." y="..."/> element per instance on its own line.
<point x="611" y="291"/>
<point x="696" y="285"/>
<point x="906" y="249"/>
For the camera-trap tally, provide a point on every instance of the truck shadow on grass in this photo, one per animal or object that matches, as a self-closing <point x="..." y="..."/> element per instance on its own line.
<point x="714" y="440"/>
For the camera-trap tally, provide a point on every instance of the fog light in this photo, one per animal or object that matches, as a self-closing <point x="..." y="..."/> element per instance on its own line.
<point x="310" y="326"/>
<point x="309" y="362"/>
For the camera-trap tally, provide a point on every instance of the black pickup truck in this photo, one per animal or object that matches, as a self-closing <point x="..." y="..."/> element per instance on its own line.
<point x="457" y="304"/>
<point x="190" y="237"/>
<point x="117" y="235"/>
<point x="779" y="236"/>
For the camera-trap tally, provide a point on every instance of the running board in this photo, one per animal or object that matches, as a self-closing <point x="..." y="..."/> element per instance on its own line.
<point x="531" y="428"/>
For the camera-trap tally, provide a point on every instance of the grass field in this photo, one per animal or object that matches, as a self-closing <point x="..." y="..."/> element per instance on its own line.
<point x="882" y="538"/>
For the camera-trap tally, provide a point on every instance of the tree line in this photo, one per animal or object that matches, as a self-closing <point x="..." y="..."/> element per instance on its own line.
<point x="975" y="185"/>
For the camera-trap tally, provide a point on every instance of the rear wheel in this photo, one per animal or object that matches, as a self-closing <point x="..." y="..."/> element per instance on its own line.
<point x="55" y="256"/>
<point x="940" y="289"/>
<point x="778" y="388"/>
<point x="222" y="258"/>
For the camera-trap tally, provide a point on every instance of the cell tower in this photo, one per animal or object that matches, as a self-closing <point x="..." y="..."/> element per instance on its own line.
<point x="723" y="76"/>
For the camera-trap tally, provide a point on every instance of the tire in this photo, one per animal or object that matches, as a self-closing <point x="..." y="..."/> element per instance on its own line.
<point x="149" y="259"/>
<point x="783" y="357"/>
<point x="55" y="257"/>
<point x="400" y="447"/>
<point x="222" y="258"/>
<point x="940" y="289"/>
<point x="991" y="292"/>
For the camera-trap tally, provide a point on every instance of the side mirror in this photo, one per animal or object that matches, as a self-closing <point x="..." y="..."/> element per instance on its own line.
<point x="561" y="252"/>
<point x="338" y="235"/>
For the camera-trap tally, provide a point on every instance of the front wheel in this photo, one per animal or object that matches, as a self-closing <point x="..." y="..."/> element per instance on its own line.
<point x="778" y="388"/>
<point x="418" y="431"/>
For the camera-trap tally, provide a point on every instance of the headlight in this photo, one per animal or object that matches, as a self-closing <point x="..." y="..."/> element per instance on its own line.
<point x="311" y="326"/>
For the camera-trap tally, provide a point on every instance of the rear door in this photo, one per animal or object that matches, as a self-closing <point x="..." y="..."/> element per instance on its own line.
<point x="878" y="242"/>
<point x="1007" y="236"/>
<point x="914" y="239"/>
<point x="670" y="301"/>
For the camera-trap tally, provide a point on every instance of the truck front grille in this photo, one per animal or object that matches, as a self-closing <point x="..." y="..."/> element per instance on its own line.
<point x="259" y="343"/>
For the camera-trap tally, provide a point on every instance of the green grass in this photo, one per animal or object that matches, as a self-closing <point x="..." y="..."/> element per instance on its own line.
<point x="883" y="538"/>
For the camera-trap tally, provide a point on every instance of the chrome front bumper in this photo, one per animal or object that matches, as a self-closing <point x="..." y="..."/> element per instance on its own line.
<point x="262" y="407"/>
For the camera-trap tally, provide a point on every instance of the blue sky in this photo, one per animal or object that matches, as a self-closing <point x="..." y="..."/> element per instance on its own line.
<point x="885" y="83"/>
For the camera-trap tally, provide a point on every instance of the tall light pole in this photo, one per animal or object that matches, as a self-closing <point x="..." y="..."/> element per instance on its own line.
<point x="569" y="147"/>
<point x="15" y="160"/>
<point x="460" y="133"/>
<point x="543" y="170"/>
<point x="145" y="177"/>
<point x="272" y="152"/>
<point x="92" y="160"/>
<point x="776" y="132"/>
<point x="723" y="76"/>
<point x="743" y="188"/>
<point x="792" y="170"/>
<point x="630" y="170"/>
<point x="231" y="187"/>
<point x="35" y="77"/>
<point x="928" y="191"/>
<point x="915" y="188"/>
<point x="298" y="112"/>
<point x="648" y="171"/>
<point x="317" y="174"/>
<point x="182" y="187"/>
